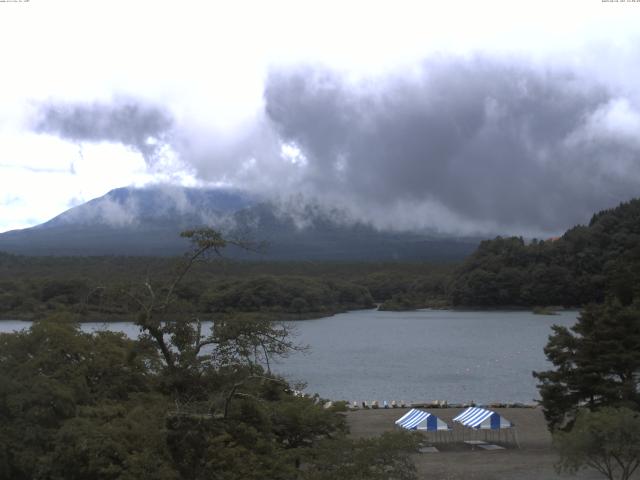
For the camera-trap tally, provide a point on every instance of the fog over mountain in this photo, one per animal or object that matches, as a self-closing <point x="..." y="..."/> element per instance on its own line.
<point x="148" y="221"/>
<point x="457" y="145"/>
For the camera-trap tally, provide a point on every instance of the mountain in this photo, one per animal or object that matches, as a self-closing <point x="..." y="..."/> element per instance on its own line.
<point x="130" y="221"/>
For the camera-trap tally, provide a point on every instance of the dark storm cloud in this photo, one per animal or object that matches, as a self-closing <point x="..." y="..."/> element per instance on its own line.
<point x="505" y="144"/>
<point x="475" y="145"/>
<point x="137" y="125"/>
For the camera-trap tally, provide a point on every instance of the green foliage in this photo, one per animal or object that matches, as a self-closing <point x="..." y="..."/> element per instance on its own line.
<point x="407" y="290"/>
<point x="178" y="403"/>
<point x="81" y="406"/>
<point x="581" y="267"/>
<point x="543" y="311"/>
<point x="205" y="239"/>
<point x="379" y="458"/>
<point x="607" y="440"/>
<point x="124" y="440"/>
<point x="596" y="363"/>
<point x="52" y="375"/>
<point x="284" y="294"/>
<point x="92" y="288"/>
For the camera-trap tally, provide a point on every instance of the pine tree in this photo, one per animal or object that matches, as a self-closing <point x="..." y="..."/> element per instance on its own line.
<point x="597" y="363"/>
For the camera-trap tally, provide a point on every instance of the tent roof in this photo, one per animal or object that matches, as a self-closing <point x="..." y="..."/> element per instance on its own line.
<point x="481" y="418"/>
<point x="416" y="419"/>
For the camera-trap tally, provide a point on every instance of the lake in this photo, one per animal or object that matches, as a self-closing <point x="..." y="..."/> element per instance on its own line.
<point x="425" y="355"/>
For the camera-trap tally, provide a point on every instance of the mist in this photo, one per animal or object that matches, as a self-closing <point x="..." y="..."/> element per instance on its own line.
<point x="456" y="145"/>
<point x="479" y="143"/>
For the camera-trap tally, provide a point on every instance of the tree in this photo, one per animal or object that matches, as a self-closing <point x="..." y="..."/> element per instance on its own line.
<point x="183" y="345"/>
<point x="597" y="363"/>
<point x="177" y="403"/>
<point x="379" y="458"/>
<point x="67" y="397"/>
<point x="607" y="440"/>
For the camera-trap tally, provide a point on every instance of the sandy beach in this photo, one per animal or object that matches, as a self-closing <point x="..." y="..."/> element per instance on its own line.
<point x="533" y="460"/>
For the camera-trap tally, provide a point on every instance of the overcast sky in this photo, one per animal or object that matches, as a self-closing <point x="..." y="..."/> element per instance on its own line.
<point x="463" y="117"/>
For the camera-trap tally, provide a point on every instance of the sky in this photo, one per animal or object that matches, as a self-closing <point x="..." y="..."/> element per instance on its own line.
<point x="510" y="117"/>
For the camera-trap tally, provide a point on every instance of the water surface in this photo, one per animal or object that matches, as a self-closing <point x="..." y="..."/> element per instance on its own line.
<point x="458" y="356"/>
<point x="425" y="355"/>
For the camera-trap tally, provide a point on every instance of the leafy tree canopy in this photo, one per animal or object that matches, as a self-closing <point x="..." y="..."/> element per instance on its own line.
<point x="607" y="440"/>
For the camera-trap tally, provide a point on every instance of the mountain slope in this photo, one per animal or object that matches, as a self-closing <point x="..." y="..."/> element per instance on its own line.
<point x="129" y="221"/>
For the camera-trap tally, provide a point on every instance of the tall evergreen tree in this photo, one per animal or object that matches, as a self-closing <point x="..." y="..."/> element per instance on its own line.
<point x="597" y="363"/>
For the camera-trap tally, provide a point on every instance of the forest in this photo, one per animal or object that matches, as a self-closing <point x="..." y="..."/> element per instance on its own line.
<point x="583" y="266"/>
<point x="95" y="288"/>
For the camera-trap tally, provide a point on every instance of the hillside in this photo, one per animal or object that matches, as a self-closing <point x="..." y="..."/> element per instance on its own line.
<point x="147" y="222"/>
<point x="584" y="265"/>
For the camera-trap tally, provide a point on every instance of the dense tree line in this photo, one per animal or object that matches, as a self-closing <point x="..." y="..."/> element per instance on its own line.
<point x="92" y="287"/>
<point x="290" y="294"/>
<point x="584" y="265"/>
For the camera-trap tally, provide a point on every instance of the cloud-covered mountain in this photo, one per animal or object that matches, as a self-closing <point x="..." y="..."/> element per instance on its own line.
<point x="129" y="221"/>
<point x="140" y="207"/>
<point x="460" y="145"/>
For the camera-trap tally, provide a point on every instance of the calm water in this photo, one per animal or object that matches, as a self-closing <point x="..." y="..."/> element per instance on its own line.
<point x="413" y="356"/>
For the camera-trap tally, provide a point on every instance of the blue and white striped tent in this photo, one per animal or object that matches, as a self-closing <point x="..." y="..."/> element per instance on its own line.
<point x="482" y="419"/>
<point x="416" y="419"/>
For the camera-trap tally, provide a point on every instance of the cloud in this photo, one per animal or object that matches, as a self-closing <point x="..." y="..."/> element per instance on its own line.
<point x="10" y="200"/>
<point x="159" y="203"/>
<point x="477" y="143"/>
<point x="462" y="145"/>
<point x="104" y="210"/>
<point x="144" y="128"/>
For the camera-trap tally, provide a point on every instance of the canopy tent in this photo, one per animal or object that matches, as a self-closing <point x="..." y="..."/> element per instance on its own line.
<point x="416" y="419"/>
<point x="482" y="419"/>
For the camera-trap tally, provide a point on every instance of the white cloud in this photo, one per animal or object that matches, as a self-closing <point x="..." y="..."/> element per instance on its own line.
<point x="206" y="62"/>
<point x="37" y="170"/>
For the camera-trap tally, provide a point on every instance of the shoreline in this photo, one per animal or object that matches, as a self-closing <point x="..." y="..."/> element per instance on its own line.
<point x="528" y="422"/>
<point x="92" y="317"/>
<point x="440" y="404"/>
<point x="532" y="458"/>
